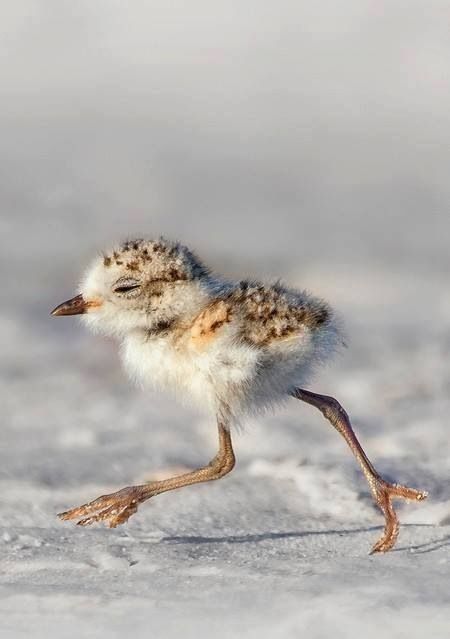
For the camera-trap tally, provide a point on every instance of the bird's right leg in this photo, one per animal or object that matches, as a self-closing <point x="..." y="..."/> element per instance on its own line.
<point x="383" y="491"/>
<point x="117" y="508"/>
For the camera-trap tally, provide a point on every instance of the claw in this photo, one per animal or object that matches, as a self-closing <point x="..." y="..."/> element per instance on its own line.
<point x="403" y="492"/>
<point x="384" y="493"/>
<point x="114" y="509"/>
<point x="87" y="521"/>
<point x="123" y="516"/>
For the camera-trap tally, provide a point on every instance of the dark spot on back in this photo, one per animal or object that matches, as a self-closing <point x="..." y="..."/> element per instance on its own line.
<point x="322" y="316"/>
<point x="176" y="274"/>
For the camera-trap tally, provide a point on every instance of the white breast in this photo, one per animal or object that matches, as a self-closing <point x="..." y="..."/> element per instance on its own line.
<point x="208" y="378"/>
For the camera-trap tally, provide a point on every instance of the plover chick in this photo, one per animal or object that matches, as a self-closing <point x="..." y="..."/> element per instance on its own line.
<point x="233" y="347"/>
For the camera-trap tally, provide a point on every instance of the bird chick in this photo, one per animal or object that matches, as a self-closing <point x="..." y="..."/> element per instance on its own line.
<point x="232" y="347"/>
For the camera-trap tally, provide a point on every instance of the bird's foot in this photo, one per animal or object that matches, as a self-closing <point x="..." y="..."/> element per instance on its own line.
<point x="114" y="509"/>
<point x="384" y="493"/>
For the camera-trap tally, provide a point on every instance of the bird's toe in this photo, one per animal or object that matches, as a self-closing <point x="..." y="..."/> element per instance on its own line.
<point x="114" y="509"/>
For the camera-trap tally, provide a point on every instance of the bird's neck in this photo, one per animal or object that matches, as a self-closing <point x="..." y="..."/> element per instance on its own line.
<point x="176" y="312"/>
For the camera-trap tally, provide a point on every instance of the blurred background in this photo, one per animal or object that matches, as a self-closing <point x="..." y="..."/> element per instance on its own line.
<point x="275" y="136"/>
<point x="303" y="140"/>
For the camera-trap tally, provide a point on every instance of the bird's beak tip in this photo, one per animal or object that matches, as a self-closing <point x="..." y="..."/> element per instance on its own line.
<point x="74" y="306"/>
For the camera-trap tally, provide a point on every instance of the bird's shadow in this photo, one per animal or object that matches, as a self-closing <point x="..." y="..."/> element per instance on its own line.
<point x="426" y="547"/>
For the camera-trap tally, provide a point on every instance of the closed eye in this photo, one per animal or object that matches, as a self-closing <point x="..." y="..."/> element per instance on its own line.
<point x="126" y="288"/>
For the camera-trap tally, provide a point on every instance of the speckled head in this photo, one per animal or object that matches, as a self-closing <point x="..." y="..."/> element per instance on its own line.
<point x="136" y="285"/>
<point x="160" y="259"/>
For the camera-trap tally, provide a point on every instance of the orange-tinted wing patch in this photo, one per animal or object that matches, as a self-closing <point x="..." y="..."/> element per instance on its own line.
<point x="208" y="323"/>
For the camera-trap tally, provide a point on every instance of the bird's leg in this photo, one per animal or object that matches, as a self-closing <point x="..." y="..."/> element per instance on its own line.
<point x="382" y="491"/>
<point x="118" y="507"/>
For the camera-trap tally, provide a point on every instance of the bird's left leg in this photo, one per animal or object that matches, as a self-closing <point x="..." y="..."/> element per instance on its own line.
<point x="383" y="491"/>
<point x="118" y="507"/>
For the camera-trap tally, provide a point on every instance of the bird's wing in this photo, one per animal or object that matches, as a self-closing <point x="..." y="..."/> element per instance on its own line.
<point x="273" y="313"/>
<point x="210" y="322"/>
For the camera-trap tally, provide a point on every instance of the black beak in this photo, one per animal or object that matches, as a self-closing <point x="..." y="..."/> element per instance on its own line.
<point x="76" y="306"/>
